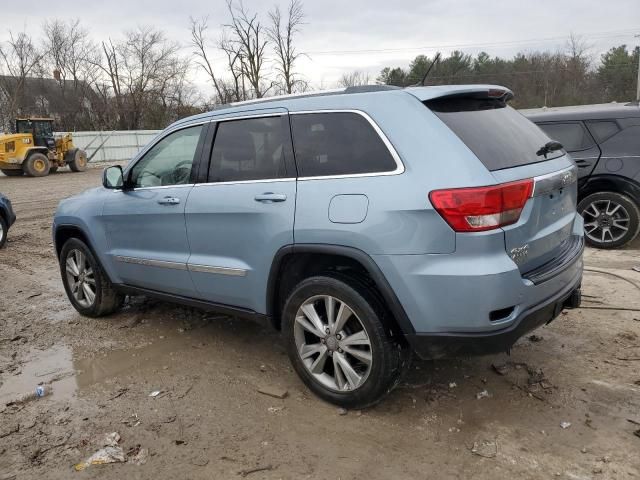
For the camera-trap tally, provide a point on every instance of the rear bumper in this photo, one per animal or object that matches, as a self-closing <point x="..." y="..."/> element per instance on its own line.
<point x="429" y="346"/>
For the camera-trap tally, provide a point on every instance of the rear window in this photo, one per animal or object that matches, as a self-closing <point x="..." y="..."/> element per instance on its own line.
<point x="496" y="133"/>
<point x="338" y="143"/>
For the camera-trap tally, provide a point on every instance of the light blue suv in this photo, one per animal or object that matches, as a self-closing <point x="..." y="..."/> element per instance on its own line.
<point x="364" y="224"/>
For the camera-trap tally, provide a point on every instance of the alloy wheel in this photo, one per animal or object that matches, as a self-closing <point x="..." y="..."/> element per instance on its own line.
<point x="606" y="221"/>
<point x="332" y="343"/>
<point x="80" y="278"/>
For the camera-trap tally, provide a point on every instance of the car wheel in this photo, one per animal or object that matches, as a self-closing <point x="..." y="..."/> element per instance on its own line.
<point x="37" y="165"/>
<point x="611" y="219"/>
<point x="337" y="342"/>
<point x="87" y="286"/>
<point x="4" y="231"/>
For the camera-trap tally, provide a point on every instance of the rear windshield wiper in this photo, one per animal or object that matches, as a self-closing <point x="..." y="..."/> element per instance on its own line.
<point x="549" y="147"/>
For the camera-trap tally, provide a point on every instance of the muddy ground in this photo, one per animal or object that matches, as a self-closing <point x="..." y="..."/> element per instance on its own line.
<point x="209" y="421"/>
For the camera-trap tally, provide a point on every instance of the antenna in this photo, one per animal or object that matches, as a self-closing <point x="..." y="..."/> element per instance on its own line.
<point x="435" y="60"/>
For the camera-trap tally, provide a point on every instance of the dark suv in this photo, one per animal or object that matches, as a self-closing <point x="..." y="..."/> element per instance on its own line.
<point x="604" y="141"/>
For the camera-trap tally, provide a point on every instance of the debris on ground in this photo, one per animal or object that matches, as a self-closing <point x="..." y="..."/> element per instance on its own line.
<point x="342" y="411"/>
<point x="500" y="369"/>
<point x="155" y="393"/>
<point x="119" y="393"/>
<point x="485" y="448"/>
<point x="482" y="394"/>
<point x="565" y="425"/>
<point x="247" y="472"/>
<point x="535" y="338"/>
<point x="101" y="457"/>
<point x="275" y="392"/>
<point x="275" y="409"/>
<point x="112" y="452"/>
<point x="453" y="385"/>
<point x="137" y="455"/>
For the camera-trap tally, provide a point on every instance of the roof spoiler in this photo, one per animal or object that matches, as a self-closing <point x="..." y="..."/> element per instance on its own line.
<point x="449" y="91"/>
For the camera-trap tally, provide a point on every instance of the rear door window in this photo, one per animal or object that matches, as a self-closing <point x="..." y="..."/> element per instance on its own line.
<point x="250" y="149"/>
<point x="497" y="134"/>
<point x="338" y="143"/>
<point x="572" y="135"/>
<point x="603" y="130"/>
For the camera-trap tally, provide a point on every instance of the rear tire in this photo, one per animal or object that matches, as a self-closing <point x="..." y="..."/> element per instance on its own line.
<point x="356" y="363"/>
<point x="36" y="165"/>
<point x="89" y="289"/>
<point x="12" y="173"/>
<point x="611" y="219"/>
<point x="4" y="231"/>
<point x="77" y="160"/>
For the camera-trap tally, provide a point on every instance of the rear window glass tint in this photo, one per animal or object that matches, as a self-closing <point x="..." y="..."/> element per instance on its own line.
<point x="573" y="136"/>
<point x="338" y="143"/>
<point x="603" y="130"/>
<point x="251" y="149"/>
<point x="496" y="133"/>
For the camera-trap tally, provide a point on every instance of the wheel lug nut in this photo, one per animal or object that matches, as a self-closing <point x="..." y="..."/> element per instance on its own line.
<point x="327" y="331"/>
<point x="339" y="337"/>
<point x="340" y="350"/>
<point x="322" y="340"/>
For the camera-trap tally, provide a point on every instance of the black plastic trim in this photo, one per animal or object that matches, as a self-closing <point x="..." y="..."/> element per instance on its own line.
<point x="195" y="303"/>
<point x="570" y="252"/>
<point x="365" y="260"/>
<point x="440" y="345"/>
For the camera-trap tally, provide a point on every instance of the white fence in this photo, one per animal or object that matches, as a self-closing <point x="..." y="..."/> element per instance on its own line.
<point x="115" y="145"/>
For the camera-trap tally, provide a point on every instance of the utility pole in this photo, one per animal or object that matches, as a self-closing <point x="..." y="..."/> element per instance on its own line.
<point x="638" y="81"/>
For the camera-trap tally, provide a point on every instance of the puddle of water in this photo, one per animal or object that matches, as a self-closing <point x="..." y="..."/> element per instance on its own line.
<point x="54" y="367"/>
<point x="64" y="376"/>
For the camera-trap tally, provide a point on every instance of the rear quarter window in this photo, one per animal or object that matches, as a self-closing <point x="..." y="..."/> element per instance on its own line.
<point x="338" y="143"/>
<point x="603" y="130"/>
<point x="497" y="134"/>
<point x="572" y="135"/>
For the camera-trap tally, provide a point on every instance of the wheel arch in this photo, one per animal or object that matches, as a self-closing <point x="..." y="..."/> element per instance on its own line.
<point x="65" y="232"/>
<point x="610" y="183"/>
<point x="293" y="263"/>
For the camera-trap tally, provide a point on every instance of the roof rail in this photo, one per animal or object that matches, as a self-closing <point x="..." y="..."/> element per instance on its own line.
<point x="370" y="88"/>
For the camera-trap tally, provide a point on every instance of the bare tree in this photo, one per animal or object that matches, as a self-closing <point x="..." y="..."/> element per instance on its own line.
<point x="235" y="89"/>
<point x="354" y="79"/>
<point x="20" y="58"/>
<point x="71" y="57"/>
<point x="139" y="70"/>
<point x="198" y="41"/>
<point x="282" y="35"/>
<point x="249" y="40"/>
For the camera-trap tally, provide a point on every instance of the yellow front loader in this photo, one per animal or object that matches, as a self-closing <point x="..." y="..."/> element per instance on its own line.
<point x="34" y="151"/>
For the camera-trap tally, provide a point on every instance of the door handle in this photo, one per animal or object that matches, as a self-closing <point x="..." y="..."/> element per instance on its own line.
<point x="169" y="201"/>
<point x="270" y="197"/>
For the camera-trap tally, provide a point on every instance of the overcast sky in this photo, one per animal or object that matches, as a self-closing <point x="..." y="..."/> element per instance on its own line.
<point x="369" y="34"/>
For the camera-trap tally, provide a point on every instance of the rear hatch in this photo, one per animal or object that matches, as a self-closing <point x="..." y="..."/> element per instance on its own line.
<point x="512" y="149"/>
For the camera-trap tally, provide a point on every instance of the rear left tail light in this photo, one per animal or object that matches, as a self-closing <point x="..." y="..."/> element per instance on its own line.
<point x="478" y="209"/>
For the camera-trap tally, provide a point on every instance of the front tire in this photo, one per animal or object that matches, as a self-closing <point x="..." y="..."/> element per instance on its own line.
<point x="77" y="160"/>
<point x="611" y="219"/>
<point x="87" y="286"/>
<point x="36" y="165"/>
<point x="337" y="342"/>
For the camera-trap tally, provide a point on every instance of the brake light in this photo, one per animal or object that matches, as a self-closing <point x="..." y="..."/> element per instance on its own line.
<point x="477" y="209"/>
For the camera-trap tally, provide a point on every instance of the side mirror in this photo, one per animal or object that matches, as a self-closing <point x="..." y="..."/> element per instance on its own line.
<point x="112" y="177"/>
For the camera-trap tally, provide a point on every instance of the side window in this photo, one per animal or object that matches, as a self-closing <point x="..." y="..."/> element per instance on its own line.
<point x="339" y="143"/>
<point x="603" y="130"/>
<point x="169" y="161"/>
<point x="573" y="136"/>
<point x="250" y="149"/>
